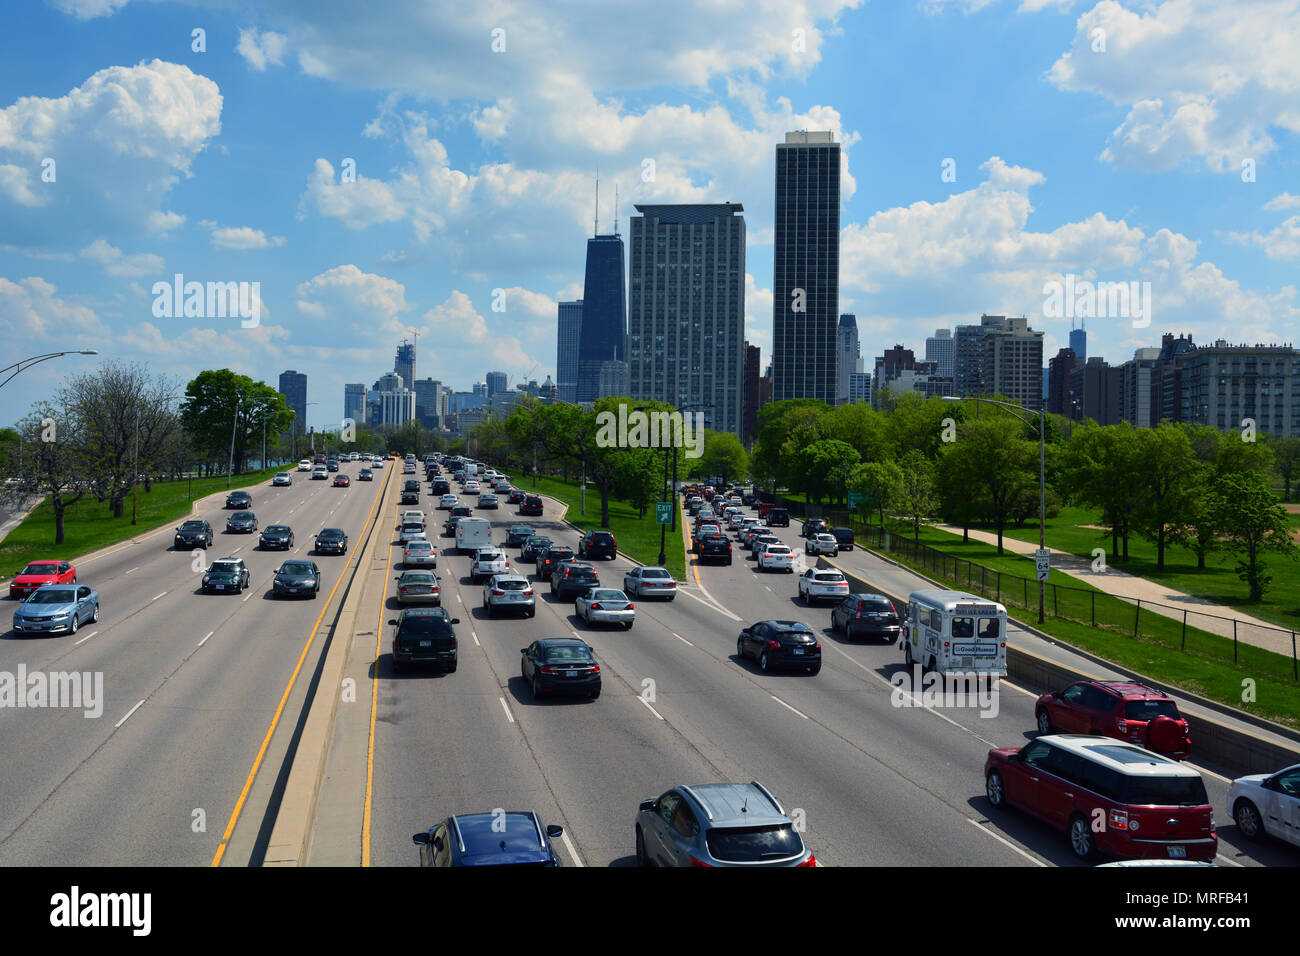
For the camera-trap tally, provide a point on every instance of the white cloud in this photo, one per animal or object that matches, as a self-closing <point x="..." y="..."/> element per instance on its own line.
<point x="164" y="222"/>
<point x="32" y="309"/>
<point x="114" y="263"/>
<point x="1281" y="242"/>
<point x="347" y="294"/>
<point x="88" y="9"/>
<point x="241" y="237"/>
<point x="1282" y="201"/>
<point x="356" y="204"/>
<point x="466" y="341"/>
<point x="259" y="49"/>
<point x="491" y="122"/>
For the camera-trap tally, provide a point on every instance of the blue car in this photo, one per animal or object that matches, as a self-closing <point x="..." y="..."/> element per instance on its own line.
<point x="489" y="839"/>
<point x="55" y="608"/>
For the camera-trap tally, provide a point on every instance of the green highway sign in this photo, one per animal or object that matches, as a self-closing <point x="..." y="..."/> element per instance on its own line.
<point x="663" y="512"/>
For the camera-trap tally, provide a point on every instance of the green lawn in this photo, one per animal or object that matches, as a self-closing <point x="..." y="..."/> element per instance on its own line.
<point x="636" y="536"/>
<point x="90" y="525"/>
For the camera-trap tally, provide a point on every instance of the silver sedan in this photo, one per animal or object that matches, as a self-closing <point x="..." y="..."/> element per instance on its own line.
<point x="419" y="587"/>
<point x="606" y="606"/>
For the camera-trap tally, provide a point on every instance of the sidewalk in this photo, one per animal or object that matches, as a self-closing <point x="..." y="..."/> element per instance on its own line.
<point x="16" y="517"/>
<point x="1163" y="600"/>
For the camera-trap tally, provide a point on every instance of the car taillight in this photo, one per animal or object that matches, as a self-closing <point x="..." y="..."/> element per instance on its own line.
<point x="596" y="607"/>
<point x="528" y="591"/>
<point x="402" y="588"/>
<point x="774" y="644"/>
<point x="547" y="669"/>
<point x="595" y="668"/>
<point x="811" y="861"/>
<point x="631" y="606"/>
<point x="498" y="592"/>
<point x="817" y="645"/>
<point x="1119" y="819"/>
<point x="698" y="862"/>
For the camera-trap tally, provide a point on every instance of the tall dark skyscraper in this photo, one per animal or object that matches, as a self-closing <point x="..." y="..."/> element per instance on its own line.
<point x="602" y="348"/>
<point x="1079" y="343"/>
<point x="566" y="357"/>
<point x="806" y="267"/>
<point x="404" y="365"/>
<point x="293" y="386"/>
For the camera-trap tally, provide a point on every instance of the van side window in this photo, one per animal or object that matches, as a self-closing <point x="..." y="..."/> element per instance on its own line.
<point x="988" y="627"/>
<point x="963" y="627"/>
<point x="936" y="621"/>
<point x="1067" y="766"/>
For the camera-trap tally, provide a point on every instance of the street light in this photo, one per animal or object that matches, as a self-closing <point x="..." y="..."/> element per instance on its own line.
<point x="27" y="363"/>
<point x="234" y="423"/>
<point x="672" y="490"/>
<point x="1042" y="472"/>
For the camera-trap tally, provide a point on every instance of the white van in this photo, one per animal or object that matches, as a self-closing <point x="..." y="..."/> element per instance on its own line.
<point x="955" y="632"/>
<point x="471" y="469"/>
<point x="472" y="534"/>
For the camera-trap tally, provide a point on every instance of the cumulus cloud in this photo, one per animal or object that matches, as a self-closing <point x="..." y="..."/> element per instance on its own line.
<point x="258" y="49"/>
<point x="239" y="237"/>
<point x="1281" y="242"/>
<point x="347" y="294"/>
<point x="1282" y="201"/>
<point x="115" y="263"/>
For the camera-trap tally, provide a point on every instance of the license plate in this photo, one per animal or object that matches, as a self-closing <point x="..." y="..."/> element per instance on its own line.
<point x="426" y="643"/>
<point x="796" y="650"/>
<point x="570" y="673"/>
<point x="221" y="587"/>
<point x="1178" y="852"/>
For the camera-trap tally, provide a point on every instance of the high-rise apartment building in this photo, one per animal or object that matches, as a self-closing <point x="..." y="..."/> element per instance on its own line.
<point x="354" y="402"/>
<point x="602" y="346"/>
<point x="293" y="386"/>
<point x="753" y="376"/>
<point x="939" y="350"/>
<point x="806" y="267"/>
<point x="1013" y="360"/>
<point x="1059" y="400"/>
<point x="496" y="382"/>
<point x="404" y="364"/>
<point x="686" y="317"/>
<point x="566" y="357"/>
<point x="1223" y="385"/>
<point x="1079" y="342"/>
<point x="428" y="401"/>
<point x="396" y="401"/>
<point x="848" y="356"/>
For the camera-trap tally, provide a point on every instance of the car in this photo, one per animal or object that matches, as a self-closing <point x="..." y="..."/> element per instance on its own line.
<point x="418" y="587"/>
<point x="226" y="575"/>
<point x="843" y="538"/>
<point x="814" y="526"/>
<point x="735" y="519"/>
<point x="776" y="517"/>
<point x="822" y="585"/>
<point x="571" y="578"/>
<point x="332" y="465"/>
<point x="560" y="665"/>
<point x="419" y="553"/>
<point x="488" y="501"/>
<point x="239" y="499"/>
<point x="1125" y="710"/>
<point x="531" y="549"/>
<point x="776" y="556"/>
<point x="318" y="459"/>
<point x="1267" y="804"/>
<point x="714" y="547"/>
<point x="408" y="531"/>
<point x="332" y="541"/>
<point x="821" y="544"/>
<point x="605" y="606"/>
<point x="365" y="474"/>
<point x="515" y="496"/>
<point x="243" y="522"/>
<point x="517" y="535"/>
<point x="750" y="532"/>
<point x="304" y="465"/>
<point x="282" y="478"/>
<point x="705" y="531"/>
<point x="780" y="645"/>
<point x="424" y="635"/>
<point x="56" y="607"/>
<point x="650" y="581"/>
<point x="276" y="537"/>
<point x="377" y="462"/>
<point x="38" y="574"/>
<point x="319" y="473"/>
<point x="342" y="481"/>
<point x="760" y="542"/>
<point x="296" y="578"/>
<point x="410" y="498"/>
<point x="440" y="486"/>
<point x="411" y="516"/>
<point x="531" y="506"/>
<point x="718" y="824"/>
<point x="867" y="615"/>
<point x="449" y="526"/>
<point x="694" y="504"/>
<point x="598" y="544"/>
<point x="447" y="502"/>
<point x="1152" y="807"/>
<point x="764" y="508"/>
<point x="509" y="591"/>
<point x="749" y="499"/>
<point x="499" y="838"/>
<point x="195" y="533"/>
<point x="548" y="560"/>
<point x="486" y="563"/>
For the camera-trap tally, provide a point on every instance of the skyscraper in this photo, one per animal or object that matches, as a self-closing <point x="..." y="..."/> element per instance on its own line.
<point x="566" y="353"/>
<point x="686" y="325"/>
<point x="354" y="402"/>
<point x="496" y="382"/>
<point x="848" y="356"/>
<point x="938" y="349"/>
<point x="806" y="267"/>
<point x="753" y="377"/>
<point x="396" y="401"/>
<point x="604" y="321"/>
<point x="404" y="365"/>
<point x="1079" y="343"/>
<point x="293" y="386"/>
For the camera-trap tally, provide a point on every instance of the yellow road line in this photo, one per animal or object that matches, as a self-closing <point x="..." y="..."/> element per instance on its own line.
<point x="374" y="710"/>
<point x="284" y="698"/>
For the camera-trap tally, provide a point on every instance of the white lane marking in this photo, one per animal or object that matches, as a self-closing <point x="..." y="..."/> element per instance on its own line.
<point x="156" y="597"/>
<point x="787" y="706"/>
<point x="766" y="588"/>
<point x="460" y="599"/>
<point x="246" y="599"/>
<point x="86" y="638"/>
<point x="205" y="640"/>
<point x="1032" y="859"/>
<point x="128" y="714"/>
<point x="1228" y="861"/>
<point x="710" y="604"/>
<point x="506" y="708"/>
<point x="137" y="568"/>
<point x="652" y="710"/>
<point x="568" y="844"/>
<point x="682" y="639"/>
<point x="577" y="635"/>
<point x="238" y="549"/>
<point x="476" y="643"/>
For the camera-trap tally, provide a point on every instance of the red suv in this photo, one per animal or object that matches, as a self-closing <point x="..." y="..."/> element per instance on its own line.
<point x="1109" y="796"/>
<point x="1122" y="709"/>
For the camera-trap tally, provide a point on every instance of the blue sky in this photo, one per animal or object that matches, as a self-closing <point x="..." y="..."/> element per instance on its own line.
<point x="1104" y="141"/>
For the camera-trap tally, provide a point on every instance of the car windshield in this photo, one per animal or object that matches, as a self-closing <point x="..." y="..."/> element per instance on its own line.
<point x="418" y="577"/>
<point x="1163" y="791"/>
<point x="53" y="596"/>
<point x="567" y="653"/>
<point x="296" y="567"/>
<point x="829" y="577"/>
<point x="877" y="605"/>
<point x="192" y="526"/>
<point x="224" y="567"/>
<point x="331" y="533"/>
<point x="489" y="555"/>
<point x="778" y="550"/>
<point x="277" y="529"/>
<point x="419" y="546"/>
<point x="41" y="569"/>
<point x="608" y="594"/>
<point x="753" y="844"/>
<point x="1150" y="709"/>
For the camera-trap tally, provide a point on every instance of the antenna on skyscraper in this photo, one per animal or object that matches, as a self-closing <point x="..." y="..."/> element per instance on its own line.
<point x="596" y="228"/>
<point x="616" y="209"/>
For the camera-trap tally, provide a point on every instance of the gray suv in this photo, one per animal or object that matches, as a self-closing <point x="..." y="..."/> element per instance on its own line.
<point x="718" y="824"/>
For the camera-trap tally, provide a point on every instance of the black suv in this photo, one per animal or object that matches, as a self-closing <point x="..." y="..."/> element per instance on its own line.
<point x="598" y="544"/>
<point x="532" y="505"/>
<point x="843" y="538"/>
<point x="193" y="534"/>
<point x="239" y="499"/>
<point x="424" y="635"/>
<point x="441" y="486"/>
<point x="533" y="547"/>
<point x="714" y="547"/>
<point x="815" y="526"/>
<point x="781" y="644"/>
<point x="569" y="579"/>
<point x="866" y="615"/>
<point x="411" y="492"/>
<point x="550" y="559"/>
<point x="778" y="518"/>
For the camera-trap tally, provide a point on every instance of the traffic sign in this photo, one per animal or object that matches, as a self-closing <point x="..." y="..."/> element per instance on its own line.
<point x="1043" y="563"/>
<point x="663" y="512"/>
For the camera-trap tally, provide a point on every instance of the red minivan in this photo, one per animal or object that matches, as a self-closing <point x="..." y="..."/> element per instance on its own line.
<point x="1109" y="796"/>
<point x="1125" y="710"/>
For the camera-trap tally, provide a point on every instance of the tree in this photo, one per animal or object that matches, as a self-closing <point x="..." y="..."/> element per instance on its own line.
<point x="1102" y="466"/>
<point x="1286" y="457"/>
<point x="916" y="422"/>
<point x="879" y="482"/>
<point x="219" y="402"/>
<point x="916" y="499"/>
<point x="775" y="422"/>
<point x="1168" y="462"/>
<point x="991" y="459"/>
<point x="860" y="425"/>
<point x="723" y="456"/>
<point x="51" y="465"/>
<point x="1254" y="524"/>
<point x="824" y="467"/>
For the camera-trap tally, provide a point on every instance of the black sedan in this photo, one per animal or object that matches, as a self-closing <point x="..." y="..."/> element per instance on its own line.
<point x="295" y="578"/>
<point x="332" y="541"/>
<point x="560" y="665"/>
<point x="276" y="537"/>
<point x="518" y="534"/>
<point x="239" y="499"/>
<point x="193" y="534"/>
<point x="365" y="474"/>
<point x="866" y="615"/>
<point x="781" y="644"/>
<point x="245" y="522"/>
<point x="532" y="548"/>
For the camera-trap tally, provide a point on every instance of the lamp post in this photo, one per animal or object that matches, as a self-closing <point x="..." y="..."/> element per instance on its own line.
<point x="135" y="479"/>
<point x="36" y="359"/>
<point x="1042" y="472"/>
<point x="230" y="468"/>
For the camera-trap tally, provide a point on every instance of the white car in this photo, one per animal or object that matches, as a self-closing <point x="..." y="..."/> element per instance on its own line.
<point x="776" y="556"/>
<point x="304" y="465"/>
<point x="815" y="585"/>
<point x="488" y="562"/>
<point x="282" y="478"/>
<point x="736" y="520"/>
<point x="605" y="606"/>
<point x="320" y="473"/>
<point x="509" y="592"/>
<point x="761" y="541"/>
<point x="447" y="502"/>
<point x="410" y="530"/>
<point x="412" y="516"/>
<point x="420" y="553"/>
<point x="644" y="582"/>
<point x="378" y="462"/>
<point x="821" y="544"/>
<point x="471" y="487"/>
<point x="1267" y="805"/>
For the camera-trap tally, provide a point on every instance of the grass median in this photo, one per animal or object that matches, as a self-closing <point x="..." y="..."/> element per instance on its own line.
<point x="89" y="525"/>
